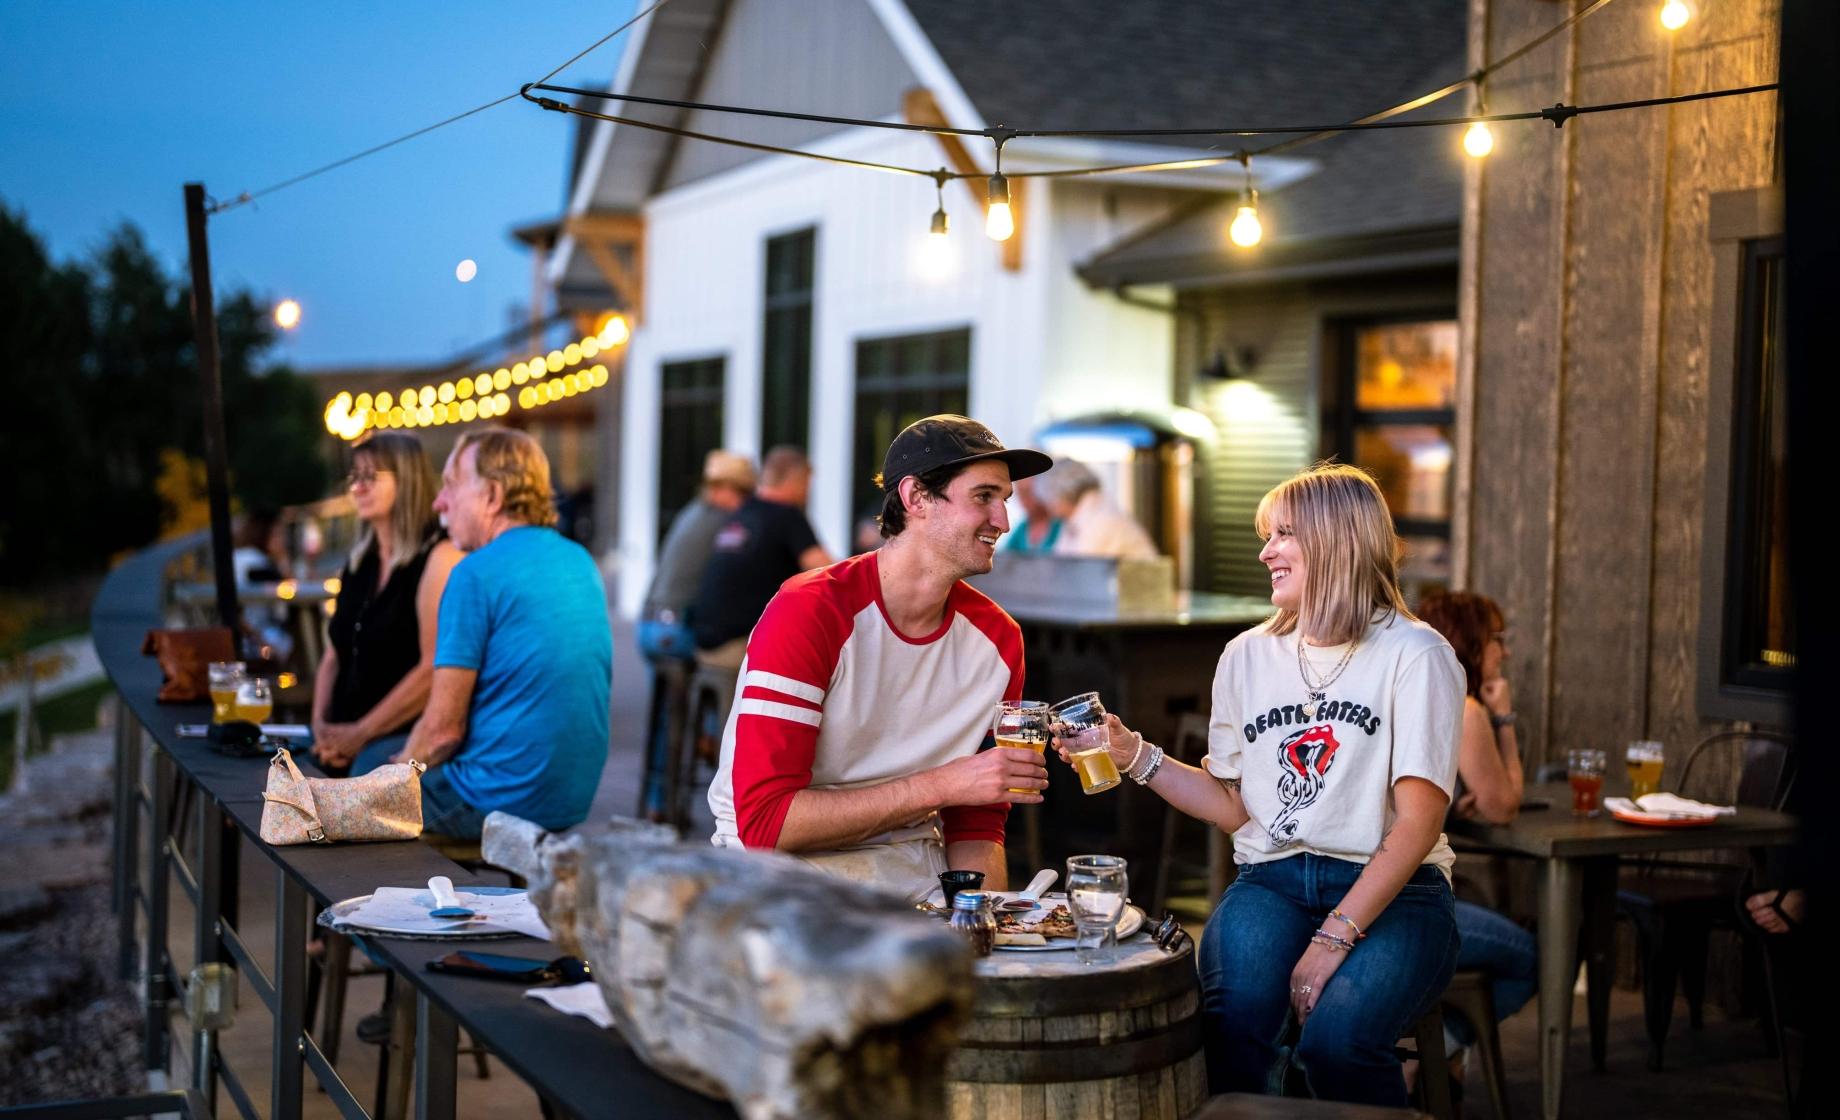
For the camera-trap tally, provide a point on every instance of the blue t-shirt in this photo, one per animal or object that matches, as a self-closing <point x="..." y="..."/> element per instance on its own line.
<point x="527" y="613"/>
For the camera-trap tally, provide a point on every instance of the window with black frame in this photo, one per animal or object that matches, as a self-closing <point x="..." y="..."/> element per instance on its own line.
<point x="689" y="427"/>
<point x="898" y="381"/>
<point x="785" y="410"/>
<point x="1759" y="631"/>
<point x="1390" y="407"/>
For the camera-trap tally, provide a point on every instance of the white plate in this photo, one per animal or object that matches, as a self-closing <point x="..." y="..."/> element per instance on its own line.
<point x="1131" y="921"/>
<point x="429" y="927"/>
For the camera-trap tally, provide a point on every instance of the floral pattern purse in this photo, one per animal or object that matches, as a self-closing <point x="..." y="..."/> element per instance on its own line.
<point x="385" y="804"/>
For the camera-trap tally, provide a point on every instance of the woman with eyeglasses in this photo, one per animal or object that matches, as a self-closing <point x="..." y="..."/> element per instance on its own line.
<point x="1489" y="786"/>
<point x="374" y="678"/>
<point x="1332" y="751"/>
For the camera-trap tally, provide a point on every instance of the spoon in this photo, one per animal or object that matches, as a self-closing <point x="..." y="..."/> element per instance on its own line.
<point x="1029" y="898"/>
<point x="446" y="902"/>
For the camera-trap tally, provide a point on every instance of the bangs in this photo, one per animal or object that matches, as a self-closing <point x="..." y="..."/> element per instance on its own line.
<point x="1272" y="512"/>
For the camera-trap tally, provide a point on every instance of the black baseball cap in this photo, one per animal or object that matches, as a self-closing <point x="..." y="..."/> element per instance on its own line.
<point x="949" y="441"/>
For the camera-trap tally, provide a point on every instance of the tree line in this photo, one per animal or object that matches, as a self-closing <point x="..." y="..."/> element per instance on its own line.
<point x="103" y="439"/>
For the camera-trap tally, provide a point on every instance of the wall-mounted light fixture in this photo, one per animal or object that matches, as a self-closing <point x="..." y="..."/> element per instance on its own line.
<point x="1230" y="363"/>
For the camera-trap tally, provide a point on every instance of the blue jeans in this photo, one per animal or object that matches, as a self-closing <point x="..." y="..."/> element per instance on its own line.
<point x="443" y="809"/>
<point x="1505" y="952"/>
<point x="1345" y="1050"/>
<point x="659" y="641"/>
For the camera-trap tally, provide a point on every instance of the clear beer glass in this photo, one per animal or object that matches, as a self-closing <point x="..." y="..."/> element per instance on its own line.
<point x="1023" y="724"/>
<point x="224" y="677"/>
<point x="1079" y="722"/>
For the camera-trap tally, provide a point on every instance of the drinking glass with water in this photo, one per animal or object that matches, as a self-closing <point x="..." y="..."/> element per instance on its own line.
<point x="1096" y="887"/>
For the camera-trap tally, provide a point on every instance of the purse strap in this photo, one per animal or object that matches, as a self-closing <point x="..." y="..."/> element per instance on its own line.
<point x="316" y="832"/>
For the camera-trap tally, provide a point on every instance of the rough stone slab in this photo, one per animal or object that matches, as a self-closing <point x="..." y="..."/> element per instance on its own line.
<point x="751" y="975"/>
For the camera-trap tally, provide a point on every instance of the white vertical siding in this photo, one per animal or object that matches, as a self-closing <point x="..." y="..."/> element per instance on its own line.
<point x="704" y="291"/>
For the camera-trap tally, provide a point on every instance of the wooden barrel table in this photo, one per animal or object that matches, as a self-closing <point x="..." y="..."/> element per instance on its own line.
<point x="1055" y="1039"/>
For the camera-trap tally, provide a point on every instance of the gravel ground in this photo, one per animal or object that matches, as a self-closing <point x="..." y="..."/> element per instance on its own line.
<point x="69" y="1028"/>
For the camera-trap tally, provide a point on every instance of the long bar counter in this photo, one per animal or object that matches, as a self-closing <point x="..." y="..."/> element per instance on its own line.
<point x="574" y="1066"/>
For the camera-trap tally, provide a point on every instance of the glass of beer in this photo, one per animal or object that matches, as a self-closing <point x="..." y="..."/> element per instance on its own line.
<point x="1024" y="724"/>
<point x="1585" y="769"/>
<point x="1079" y="721"/>
<point x="1644" y="760"/>
<point x="254" y="700"/>
<point x="222" y="682"/>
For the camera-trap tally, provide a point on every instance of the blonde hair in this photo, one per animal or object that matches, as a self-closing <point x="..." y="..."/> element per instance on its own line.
<point x="412" y="510"/>
<point x="1351" y="553"/>
<point x="515" y="463"/>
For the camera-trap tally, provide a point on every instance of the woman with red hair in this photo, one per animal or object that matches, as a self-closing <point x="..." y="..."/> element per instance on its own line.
<point x="1489" y="785"/>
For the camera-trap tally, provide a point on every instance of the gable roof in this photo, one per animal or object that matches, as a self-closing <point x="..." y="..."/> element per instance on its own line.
<point x="1067" y="64"/>
<point x="1189" y="63"/>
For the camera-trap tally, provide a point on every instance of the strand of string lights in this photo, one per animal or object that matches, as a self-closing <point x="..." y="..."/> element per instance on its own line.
<point x="1002" y="133"/>
<point x="250" y="196"/>
<point x="1246" y="231"/>
<point x="1558" y="114"/>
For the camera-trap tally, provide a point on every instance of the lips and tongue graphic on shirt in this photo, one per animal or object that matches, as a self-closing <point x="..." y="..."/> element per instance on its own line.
<point x="1303" y="764"/>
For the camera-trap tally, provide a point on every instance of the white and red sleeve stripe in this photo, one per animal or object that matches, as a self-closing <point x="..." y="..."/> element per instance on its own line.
<point x="779" y="708"/>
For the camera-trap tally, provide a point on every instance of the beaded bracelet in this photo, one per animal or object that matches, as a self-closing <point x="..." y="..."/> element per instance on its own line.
<point x="1151" y="767"/>
<point x="1155" y="765"/>
<point x="1337" y="944"/>
<point x="1135" y="755"/>
<point x="1341" y="917"/>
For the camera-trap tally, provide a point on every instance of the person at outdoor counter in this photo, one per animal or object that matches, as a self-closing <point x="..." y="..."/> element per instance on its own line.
<point x="523" y="663"/>
<point x="869" y="685"/>
<point x="765" y="542"/>
<point x="1039" y="530"/>
<point x="374" y="676"/>
<point x="1489" y="787"/>
<point x="1332" y="751"/>
<point x="1091" y="523"/>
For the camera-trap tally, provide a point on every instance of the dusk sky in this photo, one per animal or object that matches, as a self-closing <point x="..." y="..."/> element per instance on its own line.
<point x="107" y="109"/>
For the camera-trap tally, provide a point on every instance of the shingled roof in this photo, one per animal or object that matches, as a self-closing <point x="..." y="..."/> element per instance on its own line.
<point x="1189" y="63"/>
<point x="1380" y="200"/>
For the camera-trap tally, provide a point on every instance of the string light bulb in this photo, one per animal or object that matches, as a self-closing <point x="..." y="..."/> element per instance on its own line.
<point x="1246" y="230"/>
<point x="1478" y="141"/>
<point x="1675" y="14"/>
<point x="934" y="261"/>
<point x="999" y="220"/>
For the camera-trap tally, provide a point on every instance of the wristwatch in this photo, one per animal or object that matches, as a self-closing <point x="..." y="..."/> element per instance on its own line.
<point x="1505" y="719"/>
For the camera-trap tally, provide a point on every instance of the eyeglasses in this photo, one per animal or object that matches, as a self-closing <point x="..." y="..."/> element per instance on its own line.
<point x="1169" y="934"/>
<point x="363" y="478"/>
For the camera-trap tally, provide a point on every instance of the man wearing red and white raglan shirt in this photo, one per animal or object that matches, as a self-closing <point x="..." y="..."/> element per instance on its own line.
<point x="871" y="685"/>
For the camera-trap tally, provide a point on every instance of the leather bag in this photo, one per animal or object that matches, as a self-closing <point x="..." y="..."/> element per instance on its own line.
<point x="385" y="804"/>
<point x="185" y="660"/>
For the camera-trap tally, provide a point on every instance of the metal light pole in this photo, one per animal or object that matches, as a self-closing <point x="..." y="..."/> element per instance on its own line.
<point x="216" y="462"/>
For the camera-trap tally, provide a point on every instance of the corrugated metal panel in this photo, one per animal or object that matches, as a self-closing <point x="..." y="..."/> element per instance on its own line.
<point x="818" y="56"/>
<point x="1266" y="422"/>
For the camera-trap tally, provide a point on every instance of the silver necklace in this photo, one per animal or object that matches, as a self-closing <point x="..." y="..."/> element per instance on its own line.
<point x="1319" y="689"/>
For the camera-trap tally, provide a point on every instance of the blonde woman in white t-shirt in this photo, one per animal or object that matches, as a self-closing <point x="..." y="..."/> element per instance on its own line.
<point x="1332" y="750"/>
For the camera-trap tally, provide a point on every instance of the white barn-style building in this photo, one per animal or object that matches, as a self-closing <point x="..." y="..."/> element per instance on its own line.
<point x="776" y="299"/>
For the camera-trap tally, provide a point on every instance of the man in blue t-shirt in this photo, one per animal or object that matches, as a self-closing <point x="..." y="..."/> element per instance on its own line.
<point x="523" y="665"/>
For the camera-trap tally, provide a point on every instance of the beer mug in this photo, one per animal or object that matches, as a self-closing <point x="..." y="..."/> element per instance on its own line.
<point x="1079" y="722"/>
